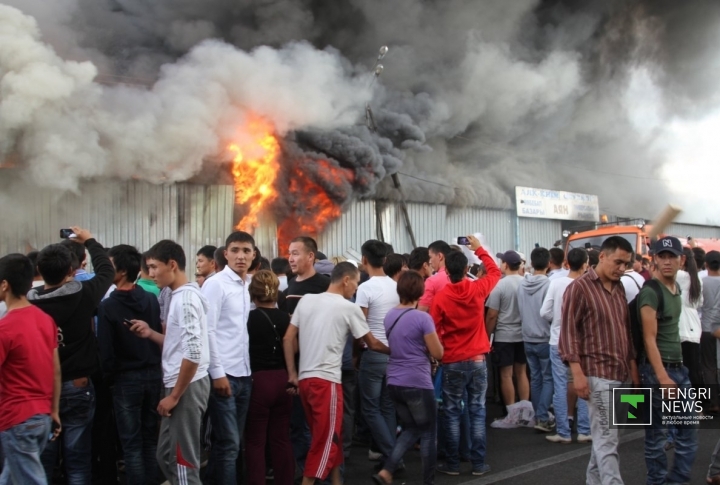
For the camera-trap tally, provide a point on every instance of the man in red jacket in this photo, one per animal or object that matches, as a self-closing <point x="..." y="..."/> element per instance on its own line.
<point x="458" y="311"/>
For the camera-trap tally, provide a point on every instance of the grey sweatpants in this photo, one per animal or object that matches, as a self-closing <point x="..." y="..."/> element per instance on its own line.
<point x="178" y="448"/>
<point x="714" y="469"/>
<point x="604" y="466"/>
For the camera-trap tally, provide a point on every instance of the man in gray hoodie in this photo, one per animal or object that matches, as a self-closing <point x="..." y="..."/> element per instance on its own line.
<point x="536" y="336"/>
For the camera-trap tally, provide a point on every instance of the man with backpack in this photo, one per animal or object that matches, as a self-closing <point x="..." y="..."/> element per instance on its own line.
<point x="596" y="341"/>
<point x="660" y="363"/>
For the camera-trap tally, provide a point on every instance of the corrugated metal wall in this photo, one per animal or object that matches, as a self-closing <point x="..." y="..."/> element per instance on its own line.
<point x="131" y="212"/>
<point x="541" y="231"/>
<point x="354" y="227"/>
<point x="684" y="230"/>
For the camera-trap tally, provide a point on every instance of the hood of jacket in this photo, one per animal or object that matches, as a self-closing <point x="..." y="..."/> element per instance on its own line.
<point x="534" y="283"/>
<point x="324" y="266"/>
<point x="196" y="289"/>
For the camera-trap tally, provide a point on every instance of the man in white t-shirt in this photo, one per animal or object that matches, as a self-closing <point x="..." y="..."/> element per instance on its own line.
<point x="319" y="328"/>
<point x="551" y="311"/>
<point x="185" y="362"/>
<point x="632" y="282"/>
<point x="376" y="297"/>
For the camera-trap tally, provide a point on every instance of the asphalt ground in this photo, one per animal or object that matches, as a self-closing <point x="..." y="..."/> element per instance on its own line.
<point x="524" y="457"/>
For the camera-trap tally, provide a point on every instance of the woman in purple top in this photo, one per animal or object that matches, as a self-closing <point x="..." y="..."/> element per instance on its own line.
<point x="412" y="341"/>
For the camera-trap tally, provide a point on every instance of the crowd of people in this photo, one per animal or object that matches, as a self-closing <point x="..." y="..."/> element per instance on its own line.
<point x="261" y="366"/>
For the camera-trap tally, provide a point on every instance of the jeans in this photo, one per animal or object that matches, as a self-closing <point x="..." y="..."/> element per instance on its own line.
<point x="714" y="469"/>
<point x="417" y="411"/>
<point x="349" y="386"/>
<point x="459" y="377"/>
<point x="560" y="384"/>
<point x="541" y="378"/>
<point x="685" y="437"/>
<point x="377" y="407"/>
<point x="227" y="417"/>
<point x="77" y="409"/>
<point x="22" y="445"/>
<point x="135" y="397"/>
<point x="604" y="465"/>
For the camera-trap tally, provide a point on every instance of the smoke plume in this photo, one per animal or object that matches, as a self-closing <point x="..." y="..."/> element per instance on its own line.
<point x="475" y="98"/>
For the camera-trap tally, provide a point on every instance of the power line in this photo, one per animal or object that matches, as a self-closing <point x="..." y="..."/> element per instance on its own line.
<point x="428" y="181"/>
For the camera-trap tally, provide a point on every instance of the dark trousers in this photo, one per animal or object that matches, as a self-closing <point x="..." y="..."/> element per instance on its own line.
<point x="135" y="397"/>
<point x="268" y="419"/>
<point x="691" y="360"/>
<point x="349" y="387"/>
<point x="708" y="359"/>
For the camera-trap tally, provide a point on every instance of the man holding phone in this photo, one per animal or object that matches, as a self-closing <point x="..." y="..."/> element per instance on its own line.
<point x="132" y="364"/>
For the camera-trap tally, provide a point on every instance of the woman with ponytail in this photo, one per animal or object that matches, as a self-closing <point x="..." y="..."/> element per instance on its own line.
<point x="690" y="327"/>
<point x="268" y="418"/>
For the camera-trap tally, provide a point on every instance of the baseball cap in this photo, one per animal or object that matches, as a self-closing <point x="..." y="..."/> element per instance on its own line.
<point x="522" y="256"/>
<point x="509" y="257"/>
<point x="712" y="257"/>
<point x="668" y="244"/>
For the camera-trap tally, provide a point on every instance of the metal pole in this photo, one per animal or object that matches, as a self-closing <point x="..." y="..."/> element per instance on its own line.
<point x="403" y="208"/>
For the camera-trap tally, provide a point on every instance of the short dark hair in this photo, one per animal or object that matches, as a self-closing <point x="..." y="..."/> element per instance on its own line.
<point x="714" y="264"/>
<point x="126" y="258"/>
<point x="76" y="248"/>
<point x="576" y="258"/>
<point x="410" y="287"/>
<point x="207" y="251"/>
<point x="280" y="266"/>
<point x="540" y="258"/>
<point x="374" y="251"/>
<point x="220" y="259"/>
<point x="17" y="270"/>
<point x="166" y="251"/>
<point x="256" y="262"/>
<point x="32" y="256"/>
<point x="593" y="257"/>
<point x="440" y="247"/>
<point x="143" y="263"/>
<point x="418" y="258"/>
<point x="699" y="255"/>
<point x="54" y="263"/>
<point x="309" y="243"/>
<point x="613" y="243"/>
<point x="456" y="265"/>
<point x="514" y="266"/>
<point x="638" y="258"/>
<point x="341" y="270"/>
<point x="393" y="264"/>
<point x="557" y="256"/>
<point x="240" y="237"/>
<point x="264" y="264"/>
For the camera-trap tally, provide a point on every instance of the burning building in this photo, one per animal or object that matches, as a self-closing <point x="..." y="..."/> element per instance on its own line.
<point x="186" y="120"/>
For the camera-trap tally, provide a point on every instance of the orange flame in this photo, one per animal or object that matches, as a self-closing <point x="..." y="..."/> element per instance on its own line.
<point x="318" y="208"/>
<point x="255" y="167"/>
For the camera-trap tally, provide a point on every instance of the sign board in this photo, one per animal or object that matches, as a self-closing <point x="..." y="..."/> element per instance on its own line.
<point x="555" y="204"/>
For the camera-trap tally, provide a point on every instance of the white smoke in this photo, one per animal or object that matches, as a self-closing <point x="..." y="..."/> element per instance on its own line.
<point x="65" y="127"/>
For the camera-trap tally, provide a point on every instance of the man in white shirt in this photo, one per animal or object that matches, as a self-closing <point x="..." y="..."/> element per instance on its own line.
<point x="229" y="306"/>
<point x="557" y="258"/>
<point x="632" y="280"/>
<point x="322" y="322"/>
<point x="376" y="297"/>
<point x="185" y="362"/>
<point x="551" y="311"/>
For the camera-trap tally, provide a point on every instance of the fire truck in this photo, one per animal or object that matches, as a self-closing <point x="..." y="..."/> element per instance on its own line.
<point x="634" y="230"/>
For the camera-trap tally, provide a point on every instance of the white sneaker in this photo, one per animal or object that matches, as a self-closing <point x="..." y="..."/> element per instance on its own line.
<point x="505" y="423"/>
<point x="556" y="438"/>
<point x="584" y="438"/>
<point x="374" y="456"/>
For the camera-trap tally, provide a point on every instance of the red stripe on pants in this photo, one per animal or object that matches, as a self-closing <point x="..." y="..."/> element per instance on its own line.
<point x="323" y="404"/>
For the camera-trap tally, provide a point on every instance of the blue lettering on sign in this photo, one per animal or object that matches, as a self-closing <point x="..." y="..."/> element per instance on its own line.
<point x="533" y="212"/>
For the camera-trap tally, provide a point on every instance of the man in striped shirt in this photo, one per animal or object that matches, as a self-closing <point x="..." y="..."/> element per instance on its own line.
<point x="596" y="341"/>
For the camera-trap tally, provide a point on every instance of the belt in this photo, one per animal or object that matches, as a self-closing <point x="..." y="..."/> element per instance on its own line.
<point x="80" y="382"/>
<point x="672" y="365"/>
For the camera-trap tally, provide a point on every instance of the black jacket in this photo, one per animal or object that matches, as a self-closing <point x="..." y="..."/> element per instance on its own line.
<point x="120" y="349"/>
<point x="73" y="306"/>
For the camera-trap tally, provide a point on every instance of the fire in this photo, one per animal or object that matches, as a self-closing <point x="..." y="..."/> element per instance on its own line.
<point x="255" y="166"/>
<point x="318" y="184"/>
